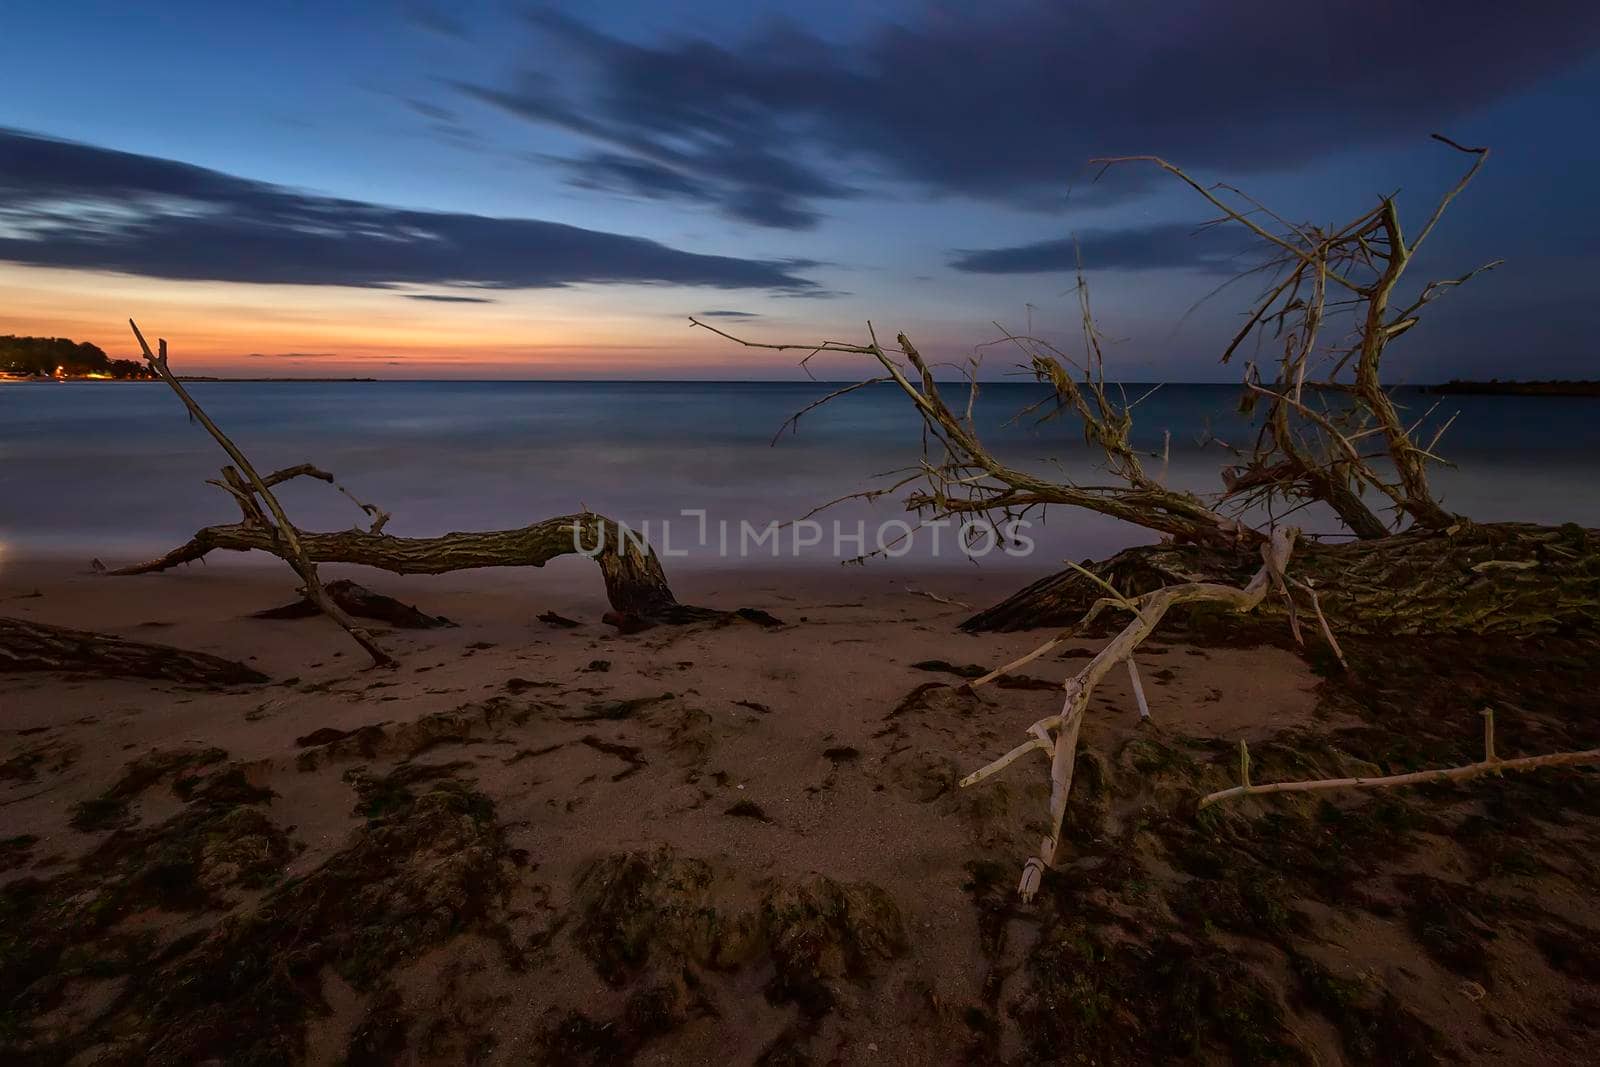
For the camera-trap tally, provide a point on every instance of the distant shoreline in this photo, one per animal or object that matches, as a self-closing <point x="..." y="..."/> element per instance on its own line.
<point x="182" y="378"/>
<point x="213" y="378"/>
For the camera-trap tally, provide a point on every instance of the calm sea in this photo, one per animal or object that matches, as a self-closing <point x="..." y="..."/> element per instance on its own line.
<point x="117" y="470"/>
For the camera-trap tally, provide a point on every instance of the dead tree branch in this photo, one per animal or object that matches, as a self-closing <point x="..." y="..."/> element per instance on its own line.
<point x="962" y="477"/>
<point x="1303" y="451"/>
<point x="1058" y="734"/>
<point x="634" y="580"/>
<point x="635" y="584"/>
<point x="1324" y="397"/>
<point x="1327" y="429"/>
<point x="253" y="487"/>
<point x="1490" y="764"/>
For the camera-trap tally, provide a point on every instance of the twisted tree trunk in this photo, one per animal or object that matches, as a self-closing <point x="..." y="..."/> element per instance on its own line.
<point x="635" y="583"/>
<point x="1510" y="579"/>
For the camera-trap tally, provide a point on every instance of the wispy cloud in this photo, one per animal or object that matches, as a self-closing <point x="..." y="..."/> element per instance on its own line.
<point x="434" y="19"/>
<point x="1165" y="246"/>
<point x="64" y="204"/>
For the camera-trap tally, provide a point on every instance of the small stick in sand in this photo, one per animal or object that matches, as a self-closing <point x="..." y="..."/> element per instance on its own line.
<point x="1322" y="620"/>
<point x="936" y="598"/>
<point x="1138" y="690"/>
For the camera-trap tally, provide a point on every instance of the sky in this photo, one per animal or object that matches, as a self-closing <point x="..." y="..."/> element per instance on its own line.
<point x="505" y="190"/>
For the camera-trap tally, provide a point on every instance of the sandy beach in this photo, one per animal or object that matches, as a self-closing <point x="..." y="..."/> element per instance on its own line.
<point x="728" y="842"/>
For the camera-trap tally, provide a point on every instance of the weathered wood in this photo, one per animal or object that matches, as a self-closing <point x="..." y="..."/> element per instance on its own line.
<point x="1058" y="734"/>
<point x="967" y="480"/>
<point x="32" y="646"/>
<point x="1498" y="578"/>
<point x="251" y="491"/>
<point x="635" y="584"/>
<point x="1490" y="764"/>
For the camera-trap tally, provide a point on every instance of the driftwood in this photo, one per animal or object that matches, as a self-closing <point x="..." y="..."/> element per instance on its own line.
<point x="1326" y="432"/>
<point x="252" y="492"/>
<point x="1057" y="735"/>
<point x="32" y="646"/>
<point x="1490" y="764"/>
<point x="635" y="583"/>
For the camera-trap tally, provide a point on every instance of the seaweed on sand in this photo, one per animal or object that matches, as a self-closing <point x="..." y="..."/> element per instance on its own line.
<point x="655" y="922"/>
<point x="426" y="866"/>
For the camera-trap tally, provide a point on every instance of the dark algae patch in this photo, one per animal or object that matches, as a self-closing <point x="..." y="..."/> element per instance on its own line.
<point x="1094" y="999"/>
<point x="659" y="926"/>
<point x="16" y="851"/>
<point x="69" y="928"/>
<point x="111" y="808"/>
<point x="425" y="866"/>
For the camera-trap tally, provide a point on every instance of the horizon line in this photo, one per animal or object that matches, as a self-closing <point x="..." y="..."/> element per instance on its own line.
<point x="373" y="380"/>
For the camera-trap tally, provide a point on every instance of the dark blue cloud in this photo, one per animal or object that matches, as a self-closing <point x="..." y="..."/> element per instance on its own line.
<point x="631" y="175"/>
<point x="739" y="167"/>
<point x="1006" y="101"/>
<point x="72" y="205"/>
<point x="1165" y="246"/>
<point x="426" y="16"/>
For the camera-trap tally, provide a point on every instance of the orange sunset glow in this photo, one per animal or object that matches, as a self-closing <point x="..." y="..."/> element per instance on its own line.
<point x="219" y="328"/>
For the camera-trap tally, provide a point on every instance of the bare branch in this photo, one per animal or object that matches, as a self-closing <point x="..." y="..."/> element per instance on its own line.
<point x="794" y="420"/>
<point x="1482" y="155"/>
<point x="1490" y="764"/>
<point x="1150" y="609"/>
<point x="282" y="530"/>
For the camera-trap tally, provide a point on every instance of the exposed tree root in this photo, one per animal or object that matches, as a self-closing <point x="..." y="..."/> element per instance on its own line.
<point x="32" y="646"/>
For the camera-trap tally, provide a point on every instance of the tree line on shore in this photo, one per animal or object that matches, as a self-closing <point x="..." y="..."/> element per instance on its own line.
<point x="50" y="356"/>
